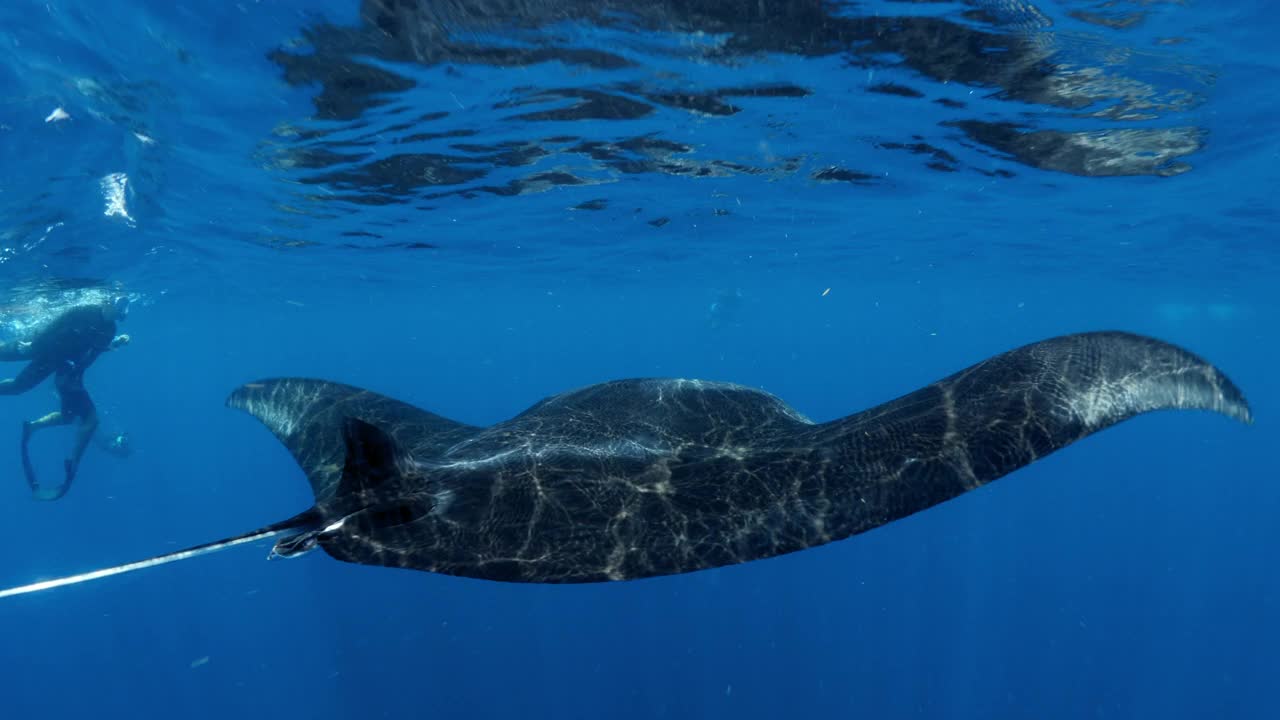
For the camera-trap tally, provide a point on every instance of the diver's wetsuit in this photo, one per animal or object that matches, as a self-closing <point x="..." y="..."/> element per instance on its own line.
<point x="64" y="349"/>
<point x="68" y="344"/>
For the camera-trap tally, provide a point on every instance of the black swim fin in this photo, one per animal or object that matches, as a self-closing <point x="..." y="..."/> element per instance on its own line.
<point x="37" y="492"/>
<point x="27" y="470"/>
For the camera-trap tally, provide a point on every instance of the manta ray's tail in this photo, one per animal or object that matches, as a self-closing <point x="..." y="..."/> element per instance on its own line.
<point x="292" y="524"/>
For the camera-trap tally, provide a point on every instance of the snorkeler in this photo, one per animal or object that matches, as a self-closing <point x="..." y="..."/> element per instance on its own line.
<point x="65" y="349"/>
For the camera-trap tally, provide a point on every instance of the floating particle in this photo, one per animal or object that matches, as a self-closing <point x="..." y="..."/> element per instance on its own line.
<point x="199" y="662"/>
<point x="58" y="115"/>
<point x="824" y="292"/>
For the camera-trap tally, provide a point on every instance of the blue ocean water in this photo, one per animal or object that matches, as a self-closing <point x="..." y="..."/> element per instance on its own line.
<point x="471" y="206"/>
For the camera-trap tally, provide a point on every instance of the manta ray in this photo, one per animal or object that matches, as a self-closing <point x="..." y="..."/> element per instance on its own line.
<point x="647" y="477"/>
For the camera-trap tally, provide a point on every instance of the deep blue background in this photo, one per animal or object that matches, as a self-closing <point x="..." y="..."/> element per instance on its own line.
<point x="1131" y="575"/>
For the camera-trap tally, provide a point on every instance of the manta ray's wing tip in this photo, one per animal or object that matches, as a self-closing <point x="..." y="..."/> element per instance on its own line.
<point x="1132" y="374"/>
<point x="1225" y="396"/>
<point x="1233" y="404"/>
<point x="1197" y="384"/>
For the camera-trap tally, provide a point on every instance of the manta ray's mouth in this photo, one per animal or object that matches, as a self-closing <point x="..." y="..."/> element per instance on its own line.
<point x="304" y="542"/>
<point x="382" y="516"/>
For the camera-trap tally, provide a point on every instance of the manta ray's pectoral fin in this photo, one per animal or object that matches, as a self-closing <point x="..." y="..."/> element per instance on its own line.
<point x="309" y="418"/>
